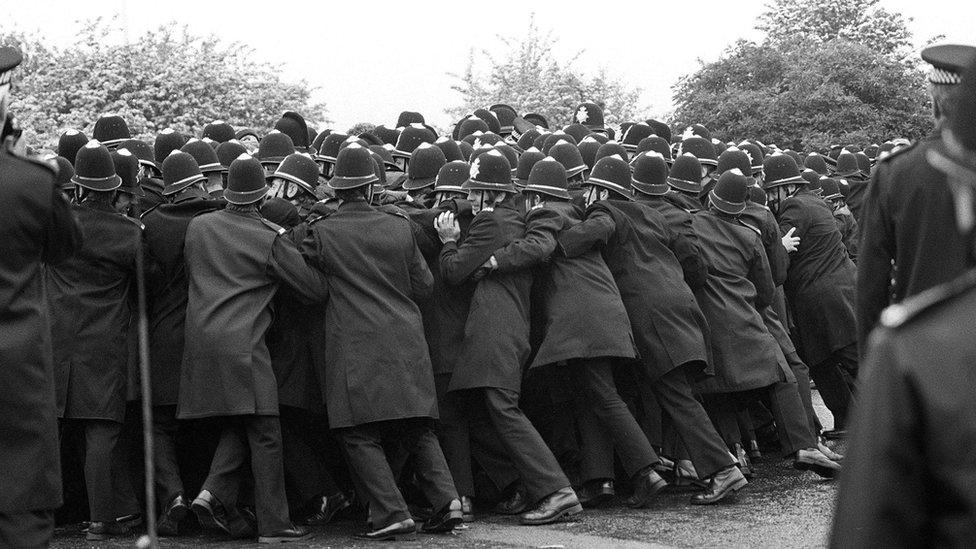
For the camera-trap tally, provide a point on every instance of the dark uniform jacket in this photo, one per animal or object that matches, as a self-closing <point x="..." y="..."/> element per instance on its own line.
<point x="743" y="353"/>
<point x="582" y="315"/>
<point x="820" y="281"/>
<point x="376" y="366"/>
<point x="37" y="227"/>
<point x="679" y="220"/>
<point x="909" y="240"/>
<point x="90" y="296"/>
<point x="166" y="289"/>
<point x="645" y="257"/>
<point x="496" y="333"/>
<point x="235" y="262"/>
<point x="909" y="479"/>
<point x="774" y="315"/>
<point x="847" y="226"/>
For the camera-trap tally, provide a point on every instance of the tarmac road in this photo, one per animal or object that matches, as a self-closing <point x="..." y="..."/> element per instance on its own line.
<point x="781" y="507"/>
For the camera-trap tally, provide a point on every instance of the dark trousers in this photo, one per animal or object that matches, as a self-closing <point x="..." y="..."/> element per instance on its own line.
<point x="261" y="435"/>
<point x="366" y="450"/>
<point x="792" y="425"/>
<point x="802" y="374"/>
<point x="607" y="424"/>
<point x="169" y="483"/>
<point x="103" y="479"/>
<point x="30" y="530"/>
<point x="463" y="439"/>
<point x="534" y="461"/>
<point x="705" y="447"/>
<point x="306" y="475"/>
<point x="835" y="381"/>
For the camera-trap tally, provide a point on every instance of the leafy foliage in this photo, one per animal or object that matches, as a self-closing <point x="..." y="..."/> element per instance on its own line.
<point x="532" y="79"/>
<point x="164" y="78"/>
<point x="826" y="73"/>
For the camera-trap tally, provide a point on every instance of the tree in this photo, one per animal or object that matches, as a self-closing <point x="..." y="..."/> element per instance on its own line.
<point x="530" y="78"/>
<point x="825" y="73"/>
<point x="166" y="78"/>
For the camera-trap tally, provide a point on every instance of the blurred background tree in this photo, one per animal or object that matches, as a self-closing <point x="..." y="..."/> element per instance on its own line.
<point x="825" y="73"/>
<point x="531" y="78"/>
<point x="167" y="78"/>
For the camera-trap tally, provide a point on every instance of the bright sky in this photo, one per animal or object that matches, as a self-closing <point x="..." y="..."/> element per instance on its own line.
<point x="372" y="59"/>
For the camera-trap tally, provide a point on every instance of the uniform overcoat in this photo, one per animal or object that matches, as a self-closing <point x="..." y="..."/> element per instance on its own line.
<point x="644" y="256"/>
<point x="37" y="227"/>
<point x="582" y="314"/>
<point x="376" y="366"/>
<point x="90" y="296"/>
<point x="496" y="333"/>
<point x="166" y="290"/>
<point x="744" y="354"/>
<point x="235" y="262"/>
<point x="820" y="281"/>
<point x="679" y="220"/>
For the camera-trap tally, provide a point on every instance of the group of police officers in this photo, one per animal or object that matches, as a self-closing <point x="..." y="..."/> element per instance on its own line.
<point x="508" y="318"/>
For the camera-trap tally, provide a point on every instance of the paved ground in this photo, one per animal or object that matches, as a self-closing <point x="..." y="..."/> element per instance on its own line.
<point x="780" y="508"/>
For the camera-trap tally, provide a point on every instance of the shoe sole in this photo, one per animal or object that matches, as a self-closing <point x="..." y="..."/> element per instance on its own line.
<point x="395" y="537"/>
<point x="277" y="539"/>
<point x="168" y="525"/>
<point x="821" y="470"/>
<point x="565" y="513"/>
<point x="729" y="493"/>
<point x="206" y="517"/>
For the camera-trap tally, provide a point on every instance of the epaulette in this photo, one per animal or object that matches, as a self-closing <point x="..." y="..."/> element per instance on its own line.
<point x="316" y="216"/>
<point x="397" y="212"/>
<point x="900" y="313"/>
<point x="748" y="226"/>
<point x="135" y="221"/>
<point x="898" y="152"/>
<point x="273" y="226"/>
<point x="36" y="160"/>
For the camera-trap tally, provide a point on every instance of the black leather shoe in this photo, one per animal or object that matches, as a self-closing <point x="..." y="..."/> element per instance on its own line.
<point x="467" y="509"/>
<point x="213" y="515"/>
<point x="742" y="460"/>
<point x="515" y="504"/>
<point x="725" y="483"/>
<point x="130" y="521"/>
<point x="169" y="520"/>
<point x="323" y="508"/>
<point x="595" y="493"/>
<point x="295" y="533"/>
<point x="813" y="460"/>
<point x="557" y="505"/>
<point x="405" y="530"/>
<point x="754" y="454"/>
<point x="646" y="485"/>
<point x="444" y="520"/>
<point x="104" y="530"/>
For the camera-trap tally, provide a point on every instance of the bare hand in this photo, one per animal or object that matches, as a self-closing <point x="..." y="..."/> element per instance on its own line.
<point x="790" y="242"/>
<point x="447" y="227"/>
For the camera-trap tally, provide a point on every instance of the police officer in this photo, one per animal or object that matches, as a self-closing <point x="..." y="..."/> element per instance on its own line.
<point x="908" y="239"/>
<point x="910" y="479"/>
<point x="37" y="228"/>
<point x="235" y="262"/>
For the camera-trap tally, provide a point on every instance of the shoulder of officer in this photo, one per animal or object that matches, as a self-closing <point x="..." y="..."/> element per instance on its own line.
<point x="29" y="161"/>
<point x="749" y="226"/>
<point x="918" y="306"/>
<point x="273" y="226"/>
<point x="135" y="222"/>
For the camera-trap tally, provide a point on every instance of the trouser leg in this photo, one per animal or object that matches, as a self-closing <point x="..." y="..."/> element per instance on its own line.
<point x="454" y="436"/>
<point x="126" y="502"/>
<point x="101" y="438"/>
<point x="791" y="421"/>
<point x="367" y="461"/>
<point x="169" y="483"/>
<point x="706" y="448"/>
<point x="540" y="472"/>
<point x="28" y="530"/>
<point x="802" y="374"/>
<point x="596" y="445"/>
<point x="430" y="467"/>
<point x="834" y="390"/>
<point x="271" y="504"/>
<point x="618" y="423"/>
<point x="224" y="478"/>
<point x="722" y="409"/>
<point x="847" y="359"/>
<point x="305" y="474"/>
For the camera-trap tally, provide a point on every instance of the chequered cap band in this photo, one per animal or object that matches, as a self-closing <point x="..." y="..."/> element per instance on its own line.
<point x="943" y="77"/>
